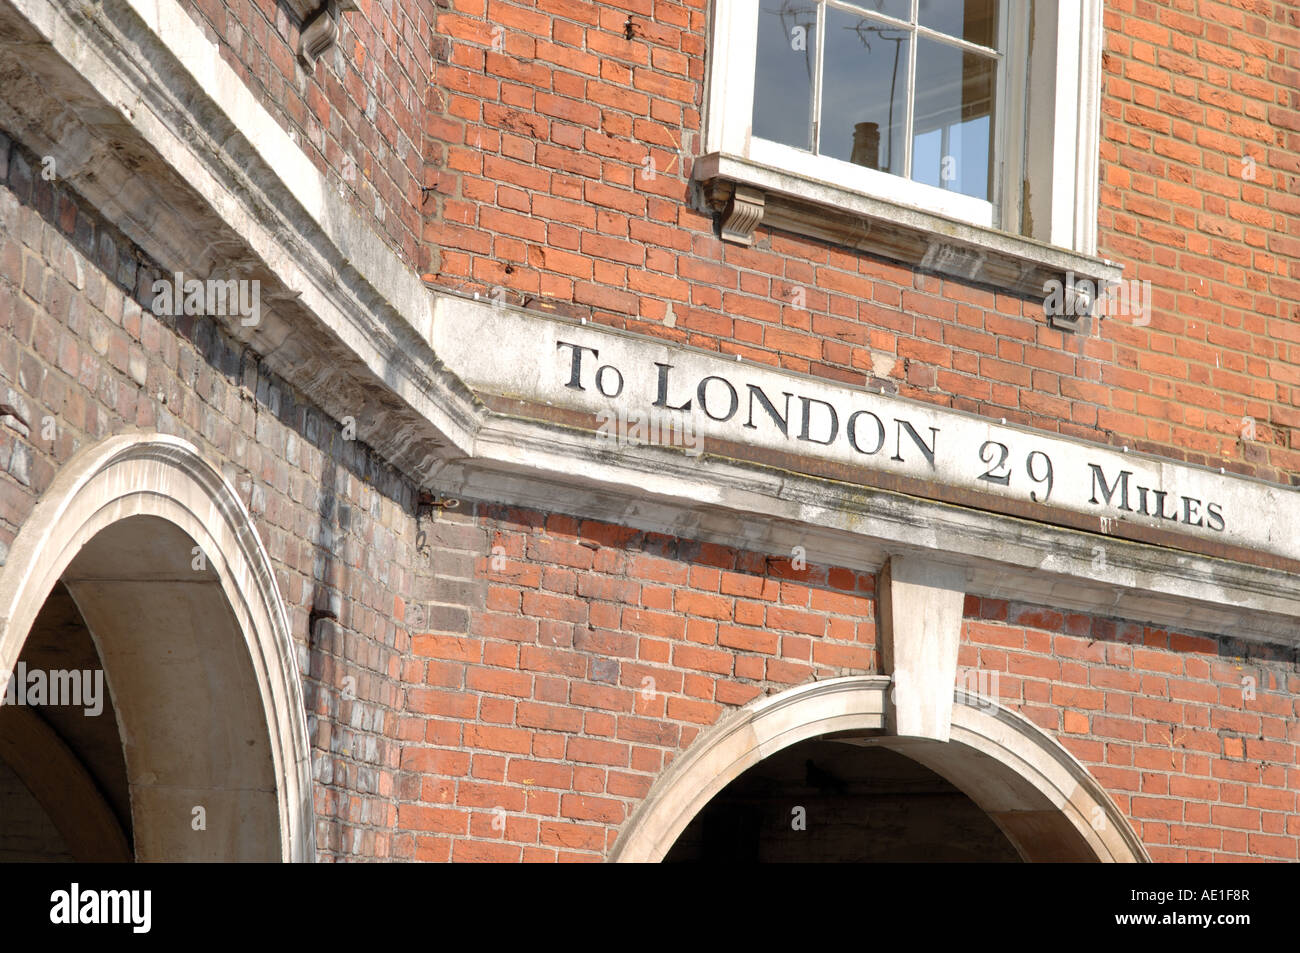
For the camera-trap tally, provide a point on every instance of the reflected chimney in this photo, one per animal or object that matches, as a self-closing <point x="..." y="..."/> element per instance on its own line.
<point x="866" y="145"/>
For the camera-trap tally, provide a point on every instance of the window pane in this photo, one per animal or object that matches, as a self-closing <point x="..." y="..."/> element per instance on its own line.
<point x="787" y="42"/>
<point x="952" y="146"/>
<point x="972" y="20"/>
<point x="864" y="92"/>
<point x="898" y="9"/>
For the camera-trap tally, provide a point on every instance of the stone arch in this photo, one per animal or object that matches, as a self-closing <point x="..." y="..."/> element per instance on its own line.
<point x="201" y="666"/>
<point x="1038" y="794"/>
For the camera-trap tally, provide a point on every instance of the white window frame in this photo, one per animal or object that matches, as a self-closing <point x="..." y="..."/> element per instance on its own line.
<point x="1066" y="42"/>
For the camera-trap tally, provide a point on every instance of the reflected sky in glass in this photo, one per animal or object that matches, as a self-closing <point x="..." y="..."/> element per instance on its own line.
<point x="783" y="77"/>
<point x="865" y="74"/>
<point x="864" y="94"/>
<point x="954" y="100"/>
<point x="972" y="20"/>
<point x="898" y="9"/>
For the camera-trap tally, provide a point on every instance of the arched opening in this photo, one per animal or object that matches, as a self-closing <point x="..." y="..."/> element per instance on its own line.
<point x="826" y="800"/>
<point x="63" y="788"/>
<point x="141" y="563"/>
<point x="1043" y="803"/>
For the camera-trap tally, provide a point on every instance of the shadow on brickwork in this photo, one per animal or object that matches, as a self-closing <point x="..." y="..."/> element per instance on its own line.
<point x="283" y="426"/>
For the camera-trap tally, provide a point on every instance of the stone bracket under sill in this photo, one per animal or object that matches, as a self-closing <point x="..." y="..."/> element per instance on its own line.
<point x="746" y="194"/>
<point x="320" y="25"/>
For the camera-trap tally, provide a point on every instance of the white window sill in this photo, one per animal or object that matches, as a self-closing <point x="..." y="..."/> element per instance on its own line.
<point x="746" y="193"/>
<point x="870" y="182"/>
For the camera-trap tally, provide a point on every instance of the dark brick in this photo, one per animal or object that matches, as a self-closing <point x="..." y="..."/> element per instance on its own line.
<point x="106" y="254"/>
<point x="20" y="176"/>
<point x="465" y="592"/>
<point x="43" y="196"/>
<point x="604" y="670"/>
<point x="67" y="212"/>
<point x="83" y="236"/>
<point x="126" y="269"/>
<point x="452" y="619"/>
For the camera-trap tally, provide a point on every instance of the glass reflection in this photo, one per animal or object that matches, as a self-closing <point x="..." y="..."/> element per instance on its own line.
<point x="972" y="20"/>
<point x="953" y="128"/>
<point x="864" y="92"/>
<point x="783" y="82"/>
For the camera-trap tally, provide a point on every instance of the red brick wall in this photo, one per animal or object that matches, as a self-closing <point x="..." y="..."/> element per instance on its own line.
<point x="541" y="191"/>
<point x="542" y="706"/>
<point x="536" y="716"/>
<point x="361" y="124"/>
<point x="1201" y="195"/>
<point x="522" y="686"/>
<point x="1163" y="720"/>
<point x="533" y="634"/>
<point x="76" y="347"/>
